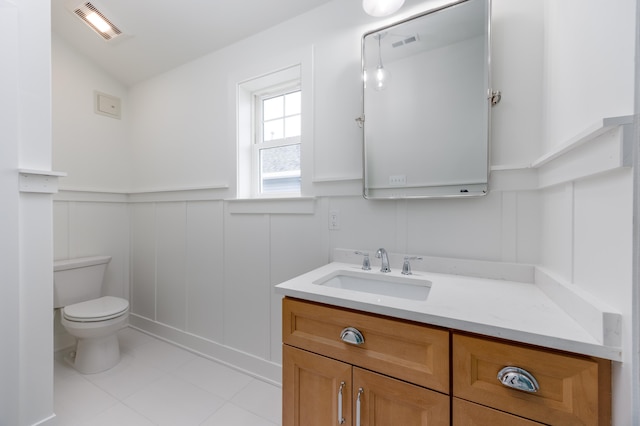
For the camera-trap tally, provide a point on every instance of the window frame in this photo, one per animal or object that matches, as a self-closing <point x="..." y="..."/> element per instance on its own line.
<point x="258" y="143"/>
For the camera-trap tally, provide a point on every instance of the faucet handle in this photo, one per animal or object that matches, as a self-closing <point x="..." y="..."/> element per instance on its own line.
<point x="366" y="264"/>
<point x="406" y="266"/>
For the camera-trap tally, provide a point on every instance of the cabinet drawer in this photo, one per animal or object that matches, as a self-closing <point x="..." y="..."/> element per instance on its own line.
<point x="412" y="352"/>
<point x="573" y="390"/>
<point x="467" y="413"/>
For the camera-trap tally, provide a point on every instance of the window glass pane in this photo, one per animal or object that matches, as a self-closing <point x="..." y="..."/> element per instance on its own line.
<point x="273" y="108"/>
<point x="280" y="169"/>
<point x="273" y="130"/>
<point x="292" y="103"/>
<point x="292" y="126"/>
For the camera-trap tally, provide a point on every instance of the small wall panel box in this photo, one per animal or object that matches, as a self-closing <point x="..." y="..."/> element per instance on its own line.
<point x="106" y="105"/>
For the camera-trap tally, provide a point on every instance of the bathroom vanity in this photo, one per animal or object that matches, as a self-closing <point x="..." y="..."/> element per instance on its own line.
<point x="358" y="357"/>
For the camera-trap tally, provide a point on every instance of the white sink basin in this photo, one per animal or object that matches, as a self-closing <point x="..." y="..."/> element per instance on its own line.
<point x="409" y="287"/>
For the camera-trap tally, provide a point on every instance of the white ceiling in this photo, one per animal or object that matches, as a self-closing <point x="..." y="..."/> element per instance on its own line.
<point x="163" y="34"/>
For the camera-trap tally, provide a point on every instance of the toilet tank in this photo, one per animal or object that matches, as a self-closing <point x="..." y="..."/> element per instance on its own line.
<point x="78" y="280"/>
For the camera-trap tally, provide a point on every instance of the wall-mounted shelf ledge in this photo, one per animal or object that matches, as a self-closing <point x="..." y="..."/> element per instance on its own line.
<point x="179" y="189"/>
<point x="39" y="181"/>
<point x="593" y="132"/>
<point x="331" y="179"/>
<point x="604" y="146"/>
<point x="293" y="205"/>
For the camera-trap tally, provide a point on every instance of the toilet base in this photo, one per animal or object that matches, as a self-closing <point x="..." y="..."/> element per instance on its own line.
<point x="95" y="355"/>
<point x="97" y="348"/>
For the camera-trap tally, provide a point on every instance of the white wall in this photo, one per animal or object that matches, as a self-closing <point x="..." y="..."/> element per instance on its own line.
<point x="92" y="149"/>
<point x="90" y="214"/>
<point x="589" y="66"/>
<point x="203" y="266"/>
<point x="587" y="225"/>
<point x="26" y="364"/>
<point x="183" y="136"/>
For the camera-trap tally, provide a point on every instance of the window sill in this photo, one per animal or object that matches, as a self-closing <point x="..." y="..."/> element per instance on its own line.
<point x="289" y="205"/>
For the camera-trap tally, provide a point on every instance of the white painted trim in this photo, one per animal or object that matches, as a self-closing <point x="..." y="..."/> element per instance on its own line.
<point x="328" y="179"/>
<point x="42" y="172"/>
<point x="587" y="135"/>
<point x="604" y="146"/>
<point x="180" y="194"/>
<point x="51" y="420"/>
<point x="39" y="181"/>
<point x="259" y="368"/>
<point x="301" y="205"/>
<point x="602" y="154"/>
<point x="179" y="189"/>
<point x="90" y="196"/>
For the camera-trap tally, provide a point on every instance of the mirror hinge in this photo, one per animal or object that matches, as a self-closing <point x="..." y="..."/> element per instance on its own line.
<point x="495" y="97"/>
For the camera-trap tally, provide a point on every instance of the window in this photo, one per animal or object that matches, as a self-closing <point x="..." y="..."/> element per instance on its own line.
<point x="269" y="134"/>
<point x="276" y="150"/>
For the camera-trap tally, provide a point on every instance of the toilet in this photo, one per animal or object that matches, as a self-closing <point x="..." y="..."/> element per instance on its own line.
<point x="91" y="318"/>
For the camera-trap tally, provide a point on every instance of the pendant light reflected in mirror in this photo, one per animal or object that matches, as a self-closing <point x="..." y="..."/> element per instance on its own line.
<point x="381" y="76"/>
<point x="380" y="8"/>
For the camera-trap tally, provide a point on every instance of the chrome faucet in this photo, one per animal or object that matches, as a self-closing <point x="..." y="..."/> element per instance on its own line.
<point x="382" y="254"/>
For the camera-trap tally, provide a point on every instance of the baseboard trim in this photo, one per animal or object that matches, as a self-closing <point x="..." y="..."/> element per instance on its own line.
<point x="259" y="368"/>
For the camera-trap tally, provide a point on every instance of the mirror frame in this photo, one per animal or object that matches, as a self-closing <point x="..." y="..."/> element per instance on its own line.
<point x="434" y="191"/>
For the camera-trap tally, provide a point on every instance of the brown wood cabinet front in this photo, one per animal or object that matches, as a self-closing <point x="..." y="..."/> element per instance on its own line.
<point x="411" y="352"/>
<point x="385" y="401"/>
<point x="467" y="413"/>
<point x="403" y="369"/>
<point x="573" y="390"/>
<point x="319" y="391"/>
<point x="312" y="390"/>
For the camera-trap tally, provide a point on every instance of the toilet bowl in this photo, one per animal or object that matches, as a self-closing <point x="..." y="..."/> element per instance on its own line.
<point x="94" y="324"/>
<point x="93" y="320"/>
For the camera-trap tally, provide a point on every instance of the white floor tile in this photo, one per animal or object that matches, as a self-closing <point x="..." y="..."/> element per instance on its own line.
<point x="120" y="415"/>
<point x="261" y="398"/>
<point x="129" y="338"/>
<point x="157" y="383"/>
<point x="162" y="355"/>
<point x="173" y="401"/>
<point x="213" y="377"/>
<point x="76" y="399"/>
<point x="127" y="377"/>
<point x="231" y="414"/>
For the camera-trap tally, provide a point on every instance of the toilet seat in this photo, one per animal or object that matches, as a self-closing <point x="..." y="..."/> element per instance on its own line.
<point x="101" y="309"/>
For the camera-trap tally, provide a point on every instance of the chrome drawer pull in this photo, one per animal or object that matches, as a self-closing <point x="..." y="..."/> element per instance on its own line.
<point x="352" y="336"/>
<point x="340" y="418"/>
<point x="517" y="378"/>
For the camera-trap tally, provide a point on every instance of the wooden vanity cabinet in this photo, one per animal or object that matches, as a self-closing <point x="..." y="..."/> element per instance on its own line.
<point x="389" y="379"/>
<point x="573" y="389"/>
<point x="407" y="373"/>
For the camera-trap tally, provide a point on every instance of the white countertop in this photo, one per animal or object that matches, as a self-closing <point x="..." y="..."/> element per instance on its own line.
<point x="511" y="310"/>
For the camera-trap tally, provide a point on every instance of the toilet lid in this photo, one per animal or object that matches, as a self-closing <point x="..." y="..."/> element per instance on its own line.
<point x="100" y="309"/>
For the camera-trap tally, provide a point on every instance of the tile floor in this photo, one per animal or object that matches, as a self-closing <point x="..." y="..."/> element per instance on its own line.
<point x="157" y="383"/>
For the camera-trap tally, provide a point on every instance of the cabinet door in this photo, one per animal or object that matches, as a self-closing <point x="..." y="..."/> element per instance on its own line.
<point x="385" y="401"/>
<point x="311" y="389"/>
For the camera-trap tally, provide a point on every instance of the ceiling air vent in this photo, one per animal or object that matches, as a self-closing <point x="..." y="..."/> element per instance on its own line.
<point x="97" y="21"/>
<point x="406" y="40"/>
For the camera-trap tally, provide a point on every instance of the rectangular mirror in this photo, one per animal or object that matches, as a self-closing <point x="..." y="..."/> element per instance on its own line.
<point x="427" y="101"/>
